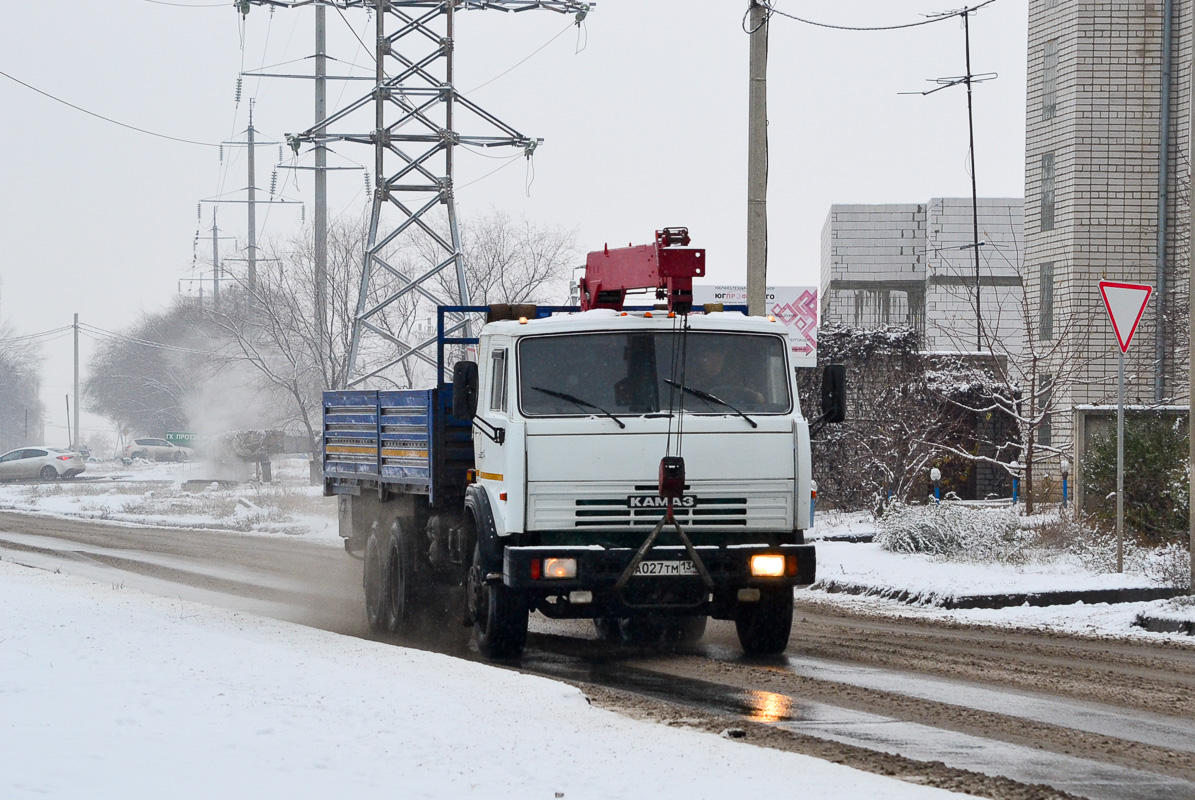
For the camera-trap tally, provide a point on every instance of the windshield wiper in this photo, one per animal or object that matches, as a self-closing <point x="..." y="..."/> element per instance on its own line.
<point x="579" y="402"/>
<point x="711" y="398"/>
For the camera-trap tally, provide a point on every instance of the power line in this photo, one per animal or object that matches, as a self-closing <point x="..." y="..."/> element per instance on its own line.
<point x="189" y="5"/>
<point x="39" y="335"/>
<point x="532" y="54"/>
<point x="105" y="119"/>
<point x="941" y="17"/>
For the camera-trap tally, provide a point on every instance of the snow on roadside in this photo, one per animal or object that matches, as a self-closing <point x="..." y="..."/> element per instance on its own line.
<point x="107" y="692"/>
<point x="869" y="565"/>
<point x="153" y="494"/>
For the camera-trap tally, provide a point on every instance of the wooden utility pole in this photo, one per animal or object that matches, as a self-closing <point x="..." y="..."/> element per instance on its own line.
<point x="757" y="162"/>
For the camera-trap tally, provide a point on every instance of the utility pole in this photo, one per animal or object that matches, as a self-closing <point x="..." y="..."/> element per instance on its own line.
<point x="416" y="113"/>
<point x="215" y="262"/>
<point x="974" y="192"/>
<point x="74" y="444"/>
<point x="969" y="79"/>
<point x="252" y="205"/>
<point x="757" y="161"/>
<point x="320" y="223"/>
<point x="1191" y="366"/>
<point x="251" y="199"/>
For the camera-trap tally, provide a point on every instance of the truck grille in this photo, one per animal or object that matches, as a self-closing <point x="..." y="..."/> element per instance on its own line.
<point x="558" y="506"/>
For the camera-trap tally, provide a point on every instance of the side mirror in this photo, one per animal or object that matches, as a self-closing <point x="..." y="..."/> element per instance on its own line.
<point x="464" y="389"/>
<point x="834" y="393"/>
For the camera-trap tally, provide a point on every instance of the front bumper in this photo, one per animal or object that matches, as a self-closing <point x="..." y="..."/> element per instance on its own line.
<point x="598" y="569"/>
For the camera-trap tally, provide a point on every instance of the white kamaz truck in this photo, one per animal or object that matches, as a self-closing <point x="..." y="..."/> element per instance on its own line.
<point x="647" y="468"/>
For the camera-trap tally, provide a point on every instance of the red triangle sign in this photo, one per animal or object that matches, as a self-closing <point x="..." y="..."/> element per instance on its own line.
<point x="1125" y="303"/>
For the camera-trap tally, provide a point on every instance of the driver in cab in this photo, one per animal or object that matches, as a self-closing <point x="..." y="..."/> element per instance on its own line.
<point x="710" y="373"/>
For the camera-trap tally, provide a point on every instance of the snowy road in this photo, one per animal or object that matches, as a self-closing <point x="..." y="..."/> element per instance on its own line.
<point x="1094" y="718"/>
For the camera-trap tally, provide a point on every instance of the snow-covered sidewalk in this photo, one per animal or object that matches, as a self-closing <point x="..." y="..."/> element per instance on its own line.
<point x="109" y="693"/>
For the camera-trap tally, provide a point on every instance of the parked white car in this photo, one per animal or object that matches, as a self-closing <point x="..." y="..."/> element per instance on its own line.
<point x="156" y="450"/>
<point x="42" y="462"/>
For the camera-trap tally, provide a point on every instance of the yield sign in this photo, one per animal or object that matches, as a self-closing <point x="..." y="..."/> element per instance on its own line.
<point x="1125" y="303"/>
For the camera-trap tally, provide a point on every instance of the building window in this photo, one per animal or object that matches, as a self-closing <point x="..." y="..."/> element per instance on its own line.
<point x="1051" y="3"/>
<point x="1049" y="81"/>
<point x="1045" y="431"/>
<point x="1047" y="192"/>
<point x="1045" y="302"/>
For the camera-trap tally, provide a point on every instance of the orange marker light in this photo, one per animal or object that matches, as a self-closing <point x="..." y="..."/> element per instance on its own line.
<point x="671" y="314"/>
<point x="560" y="567"/>
<point x="502" y="496"/>
<point x="647" y="314"/>
<point x="522" y="320"/>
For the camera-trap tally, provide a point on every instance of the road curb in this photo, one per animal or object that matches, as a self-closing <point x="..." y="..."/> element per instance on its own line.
<point x="950" y="603"/>
<point x="1165" y="624"/>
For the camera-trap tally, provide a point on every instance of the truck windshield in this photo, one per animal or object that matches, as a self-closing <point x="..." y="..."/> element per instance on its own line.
<point x="628" y="374"/>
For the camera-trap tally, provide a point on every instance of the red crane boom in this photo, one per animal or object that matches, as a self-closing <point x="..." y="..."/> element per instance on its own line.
<point x="668" y="266"/>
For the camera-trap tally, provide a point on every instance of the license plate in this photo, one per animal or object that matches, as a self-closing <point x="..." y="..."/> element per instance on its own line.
<point x="666" y="568"/>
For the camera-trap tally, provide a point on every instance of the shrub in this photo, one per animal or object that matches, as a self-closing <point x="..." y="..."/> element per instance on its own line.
<point x="955" y="531"/>
<point x="1156" y="485"/>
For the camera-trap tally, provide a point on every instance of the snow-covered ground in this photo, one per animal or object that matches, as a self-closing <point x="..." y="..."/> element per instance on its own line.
<point x="929" y="578"/>
<point x="153" y="494"/>
<point x="106" y="692"/>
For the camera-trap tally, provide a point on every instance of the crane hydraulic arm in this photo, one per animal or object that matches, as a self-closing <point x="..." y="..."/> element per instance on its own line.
<point x="668" y="266"/>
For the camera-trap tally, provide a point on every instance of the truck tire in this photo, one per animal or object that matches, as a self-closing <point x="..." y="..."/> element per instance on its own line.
<point x="764" y="627"/>
<point x="377" y="598"/>
<point x="684" y="630"/>
<point x="401" y="580"/>
<point x="607" y="629"/>
<point x="499" y="615"/>
<point x="644" y="630"/>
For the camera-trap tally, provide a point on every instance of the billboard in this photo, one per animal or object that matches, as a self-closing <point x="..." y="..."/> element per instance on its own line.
<point x="795" y="306"/>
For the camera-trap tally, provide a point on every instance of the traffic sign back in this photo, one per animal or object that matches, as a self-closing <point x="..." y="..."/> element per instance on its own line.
<point x="1125" y="303"/>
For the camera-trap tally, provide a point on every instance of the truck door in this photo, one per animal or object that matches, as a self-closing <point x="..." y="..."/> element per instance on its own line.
<point x="494" y="408"/>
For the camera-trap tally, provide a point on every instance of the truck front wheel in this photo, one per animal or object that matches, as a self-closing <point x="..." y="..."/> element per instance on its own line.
<point x="499" y="615"/>
<point x="764" y="626"/>
<point x="377" y="599"/>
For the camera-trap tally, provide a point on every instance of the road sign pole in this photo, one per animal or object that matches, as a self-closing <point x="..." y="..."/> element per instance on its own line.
<point x="1120" y="468"/>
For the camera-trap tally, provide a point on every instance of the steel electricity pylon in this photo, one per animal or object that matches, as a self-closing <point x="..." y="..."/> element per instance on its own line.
<point x="419" y="118"/>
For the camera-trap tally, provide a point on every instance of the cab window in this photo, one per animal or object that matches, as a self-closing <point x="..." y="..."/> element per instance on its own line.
<point x="498" y="381"/>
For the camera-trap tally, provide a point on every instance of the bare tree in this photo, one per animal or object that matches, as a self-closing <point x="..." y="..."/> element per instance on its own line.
<point x="272" y="326"/>
<point x="20" y="385"/>
<point x="1030" y="371"/>
<point x="141" y="378"/>
<point x="508" y="261"/>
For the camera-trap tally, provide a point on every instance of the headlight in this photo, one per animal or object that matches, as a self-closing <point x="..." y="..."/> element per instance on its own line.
<point x="767" y="566"/>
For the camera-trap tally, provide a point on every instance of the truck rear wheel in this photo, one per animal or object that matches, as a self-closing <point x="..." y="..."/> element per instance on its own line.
<point x="377" y="598"/>
<point x="764" y="626"/>
<point x="499" y="615"/>
<point x="401" y="582"/>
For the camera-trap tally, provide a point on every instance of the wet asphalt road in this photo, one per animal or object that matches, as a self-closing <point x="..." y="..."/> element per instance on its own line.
<point x="992" y="713"/>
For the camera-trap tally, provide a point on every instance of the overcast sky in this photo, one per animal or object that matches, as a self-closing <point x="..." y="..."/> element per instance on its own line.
<point x="644" y="127"/>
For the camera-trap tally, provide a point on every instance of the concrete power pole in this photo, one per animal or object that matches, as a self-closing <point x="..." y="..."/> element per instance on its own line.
<point x="74" y="444"/>
<point x="1191" y="368"/>
<point x="757" y="162"/>
<point x="252" y="276"/>
<point x="215" y="262"/>
<point x="320" y="223"/>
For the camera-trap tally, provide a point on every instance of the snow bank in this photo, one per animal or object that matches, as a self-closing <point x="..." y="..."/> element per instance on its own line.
<point x="106" y="692"/>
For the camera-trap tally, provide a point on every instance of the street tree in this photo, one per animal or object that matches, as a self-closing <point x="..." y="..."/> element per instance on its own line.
<point x="143" y="377"/>
<point x="20" y="386"/>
